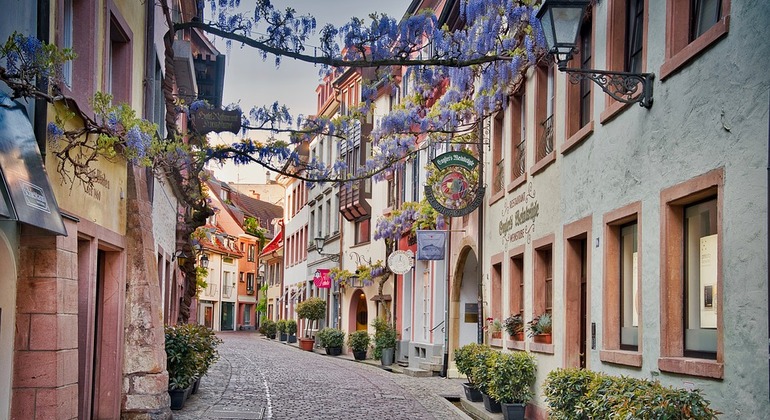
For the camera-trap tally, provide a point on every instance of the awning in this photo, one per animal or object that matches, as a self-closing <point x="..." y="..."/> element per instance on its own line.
<point x="275" y="244"/>
<point x="26" y="194"/>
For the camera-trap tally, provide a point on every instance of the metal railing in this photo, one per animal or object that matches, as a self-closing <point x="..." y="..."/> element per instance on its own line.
<point x="545" y="143"/>
<point x="520" y="160"/>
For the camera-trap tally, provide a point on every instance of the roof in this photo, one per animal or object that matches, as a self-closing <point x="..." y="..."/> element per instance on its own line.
<point x="241" y="205"/>
<point x="274" y="245"/>
<point x="213" y="241"/>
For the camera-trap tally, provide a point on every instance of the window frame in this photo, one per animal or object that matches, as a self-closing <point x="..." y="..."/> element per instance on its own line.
<point x="680" y="50"/>
<point x="580" y="95"/>
<point x="672" y="201"/>
<point x="518" y="137"/>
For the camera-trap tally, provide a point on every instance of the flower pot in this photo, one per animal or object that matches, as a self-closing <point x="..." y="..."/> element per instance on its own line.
<point x="333" y="351"/>
<point x="284" y="337"/>
<point x="271" y="336"/>
<point x="543" y="338"/>
<point x="359" y="355"/>
<point x="490" y="404"/>
<point x="471" y="393"/>
<point x="519" y="336"/>
<point x="514" y="411"/>
<point x="195" y="386"/>
<point x="497" y="334"/>
<point x="306" y="344"/>
<point x="177" y="398"/>
<point x="292" y="338"/>
<point x="387" y="357"/>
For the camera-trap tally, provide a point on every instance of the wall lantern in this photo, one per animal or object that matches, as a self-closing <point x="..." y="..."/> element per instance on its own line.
<point x="561" y="20"/>
<point x="205" y="261"/>
<point x="319" y="245"/>
<point x="181" y="257"/>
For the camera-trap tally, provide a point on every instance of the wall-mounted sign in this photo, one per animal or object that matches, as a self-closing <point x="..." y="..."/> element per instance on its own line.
<point x="519" y="215"/>
<point x="457" y="191"/>
<point x="216" y="120"/>
<point x="431" y="244"/>
<point x="322" y="279"/>
<point x="400" y="262"/>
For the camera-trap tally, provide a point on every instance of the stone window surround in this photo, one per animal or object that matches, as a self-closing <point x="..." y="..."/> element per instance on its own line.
<point x="679" y="51"/>
<point x="538" y="287"/>
<point x="672" y="202"/>
<point x="613" y="220"/>
<point x="576" y="231"/>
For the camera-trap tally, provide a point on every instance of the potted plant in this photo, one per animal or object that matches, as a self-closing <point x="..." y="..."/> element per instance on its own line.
<point x="495" y="328"/>
<point x="269" y="328"/>
<point x="332" y="340"/>
<point x="540" y="328"/>
<point x="281" y="326"/>
<point x="181" y="364"/>
<point x="291" y="330"/>
<point x="204" y="343"/>
<point x="514" y="326"/>
<point x="310" y="310"/>
<point x="466" y="358"/>
<point x="482" y="373"/>
<point x="511" y="383"/>
<point x="358" y="341"/>
<point x="385" y="338"/>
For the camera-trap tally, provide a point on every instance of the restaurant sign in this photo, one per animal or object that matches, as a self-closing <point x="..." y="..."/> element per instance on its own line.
<point x="457" y="191"/>
<point x="216" y="120"/>
<point x="519" y="215"/>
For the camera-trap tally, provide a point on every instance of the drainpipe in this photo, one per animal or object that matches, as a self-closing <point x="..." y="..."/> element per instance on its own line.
<point x="767" y="210"/>
<point x="445" y="365"/>
<point x="480" y="234"/>
<point x="41" y="107"/>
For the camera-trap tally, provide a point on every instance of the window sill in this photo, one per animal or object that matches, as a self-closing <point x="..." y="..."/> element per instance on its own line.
<point x="516" y="183"/>
<point x="693" y="367"/>
<point x="496" y="342"/>
<point x="515" y="345"/>
<point x="541" y="348"/>
<point x="543" y="163"/>
<point x="686" y="54"/>
<point x="621" y="357"/>
<point x="496" y="197"/>
<point x="577" y="138"/>
<point x="612" y="110"/>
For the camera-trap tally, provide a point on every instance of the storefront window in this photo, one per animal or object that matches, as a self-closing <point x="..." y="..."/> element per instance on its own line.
<point x="700" y="285"/>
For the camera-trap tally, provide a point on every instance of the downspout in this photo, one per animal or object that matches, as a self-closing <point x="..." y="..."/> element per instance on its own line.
<point x="41" y="107"/>
<point x="480" y="234"/>
<point x="445" y="365"/>
<point x="767" y="211"/>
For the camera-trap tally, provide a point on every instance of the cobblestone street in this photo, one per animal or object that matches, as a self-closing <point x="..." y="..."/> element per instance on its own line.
<point x="257" y="378"/>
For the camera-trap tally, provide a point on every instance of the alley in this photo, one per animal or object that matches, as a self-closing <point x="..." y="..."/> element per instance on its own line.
<point x="257" y="378"/>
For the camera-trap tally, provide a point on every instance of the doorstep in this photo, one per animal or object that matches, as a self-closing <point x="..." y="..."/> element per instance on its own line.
<point x="477" y="410"/>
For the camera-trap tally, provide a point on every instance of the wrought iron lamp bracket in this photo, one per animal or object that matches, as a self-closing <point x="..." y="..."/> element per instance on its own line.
<point x="622" y="86"/>
<point x="359" y="259"/>
<point x="332" y="257"/>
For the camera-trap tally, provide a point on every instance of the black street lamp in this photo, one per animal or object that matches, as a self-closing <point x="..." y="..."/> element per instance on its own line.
<point x="205" y="261"/>
<point x="319" y="245"/>
<point x="561" y="21"/>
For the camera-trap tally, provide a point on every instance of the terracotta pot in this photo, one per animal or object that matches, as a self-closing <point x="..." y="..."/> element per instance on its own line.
<point x="519" y="336"/>
<point x="543" y="338"/>
<point x="306" y="344"/>
<point x="498" y="334"/>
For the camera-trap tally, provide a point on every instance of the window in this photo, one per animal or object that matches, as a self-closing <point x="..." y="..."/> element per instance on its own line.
<point x="329" y="216"/>
<point x="578" y="105"/>
<point x="118" y="68"/>
<point x="250" y="256"/>
<point x="543" y="282"/>
<point x="622" y="300"/>
<point x="691" y="317"/>
<point x="498" y="174"/>
<point x="67" y="35"/>
<point x="362" y="231"/>
<point x="691" y="27"/>
<point x="518" y="135"/>
<point x="626" y="43"/>
<point x="496" y="288"/>
<point x="249" y="282"/>
<point x="544" y="111"/>
<point x="416" y="178"/>
<point x="516" y="284"/>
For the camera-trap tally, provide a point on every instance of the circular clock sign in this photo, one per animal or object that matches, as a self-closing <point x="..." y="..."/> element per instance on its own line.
<point x="400" y="262"/>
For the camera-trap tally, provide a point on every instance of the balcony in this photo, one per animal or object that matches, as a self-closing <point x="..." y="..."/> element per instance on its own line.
<point x="520" y="160"/>
<point x="545" y="143"/>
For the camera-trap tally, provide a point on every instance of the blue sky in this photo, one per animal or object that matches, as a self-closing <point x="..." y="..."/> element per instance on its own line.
<point x="252" y="82"/>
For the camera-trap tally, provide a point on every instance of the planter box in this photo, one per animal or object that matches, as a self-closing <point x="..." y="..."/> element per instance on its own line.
<point x="284" y="337"/>
<point x="359" y="355"/>
<point x="387" y="357"/>
<point x="195" y="386"/>
<point x="490" y="404"/>
<point x="178" y="397"/>
<point x="292" y="338"/>
<point x="471" y="393"/>
<point x="543" y="338"/>
<point x="513" y="411"/>
<point x="333" y="351"/>
<point x="306" y="344"/>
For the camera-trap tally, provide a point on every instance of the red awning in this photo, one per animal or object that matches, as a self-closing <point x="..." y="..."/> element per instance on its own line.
<point x="275" y="244"/>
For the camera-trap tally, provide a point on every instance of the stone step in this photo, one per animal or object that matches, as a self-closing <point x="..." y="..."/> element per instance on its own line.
<point x="416" y="372"/>
<point x="433" y="367"/>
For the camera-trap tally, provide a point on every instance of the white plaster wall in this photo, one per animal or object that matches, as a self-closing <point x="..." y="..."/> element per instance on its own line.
<point x="9" y="246"/>
<point x="711" y="114"/>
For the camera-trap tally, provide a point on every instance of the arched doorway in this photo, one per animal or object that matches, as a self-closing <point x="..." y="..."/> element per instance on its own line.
<point x="359" y="311"/>
<point x="464" y="303"/>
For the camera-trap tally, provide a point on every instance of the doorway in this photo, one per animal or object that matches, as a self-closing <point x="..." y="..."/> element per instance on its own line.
<point x="208" y="315"/>
<point x="359" y="311"/>
<point x="464" y="303"/>
<point x="228" y="316"/>
<point x="577" y="294"/>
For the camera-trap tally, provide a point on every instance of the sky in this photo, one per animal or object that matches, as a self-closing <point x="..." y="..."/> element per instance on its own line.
<point x="250" y="82"/>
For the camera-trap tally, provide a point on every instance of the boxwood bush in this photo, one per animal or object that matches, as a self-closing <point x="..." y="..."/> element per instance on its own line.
<point x="580" y="394"/>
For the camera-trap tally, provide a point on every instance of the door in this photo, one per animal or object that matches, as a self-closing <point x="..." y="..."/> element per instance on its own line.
<point x="228" y="316"/>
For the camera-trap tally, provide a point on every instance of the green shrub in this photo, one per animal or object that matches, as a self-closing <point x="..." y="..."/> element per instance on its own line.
<point x="578" y="394"/>
<point x="331" y="337"/>
<point x="540" y="324"/>
<point x="466" y="358"/>
<point x="385" y="336"/>
<point x="269" y="328"/>
<point x="512" y="378"/>
<point x="281" y="326"/>
<point x="191" y="349"/>
<point x="483" y="370"/>
<point x="359" y="340"/>
<point x="291" y="327"/>
<point x="514" y="324"/>
<point x="311" y="309"/>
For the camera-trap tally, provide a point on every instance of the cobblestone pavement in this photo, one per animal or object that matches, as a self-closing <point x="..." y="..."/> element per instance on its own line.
<point x="257" y="378"/>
